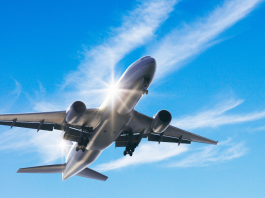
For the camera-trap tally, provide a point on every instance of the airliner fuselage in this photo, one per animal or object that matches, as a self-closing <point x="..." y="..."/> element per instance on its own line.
<point x="116" y="113"/>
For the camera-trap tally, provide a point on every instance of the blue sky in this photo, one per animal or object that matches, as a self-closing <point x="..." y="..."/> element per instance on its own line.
<point x="210" y="76"/>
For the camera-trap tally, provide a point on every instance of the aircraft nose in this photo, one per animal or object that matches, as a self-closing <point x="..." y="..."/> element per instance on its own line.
<point x="150" y="63"/>
<point x="148" y="59"/>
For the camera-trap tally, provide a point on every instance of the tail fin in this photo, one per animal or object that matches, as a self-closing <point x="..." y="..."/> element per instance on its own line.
<point x="58" y="168"/>
<point x="89" y="173"/>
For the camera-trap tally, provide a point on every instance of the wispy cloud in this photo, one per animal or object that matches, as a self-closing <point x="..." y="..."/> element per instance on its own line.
<point x="146" y="153"/>
<point x="204" y="156"/>
<point x="96" y="71"/>
<point x="216" y="116"/>
<point x="181" y="45"/>
<point x="17" y="90"/>
<point x="42" y="102"/>
<point x="47" y="144"/>
<point x="254" y="129"/>
<point x="12" y="97"/>
<point x="208" y="155"/>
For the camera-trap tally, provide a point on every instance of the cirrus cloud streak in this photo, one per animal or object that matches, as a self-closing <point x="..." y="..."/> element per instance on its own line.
<point x="182" y="44"/>
<point x="146" y="153"/>
<point x="216" y="116"/>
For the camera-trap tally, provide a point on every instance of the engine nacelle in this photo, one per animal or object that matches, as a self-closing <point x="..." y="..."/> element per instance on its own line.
<point x="161" y="121"/>
<point x="75" y="112"/>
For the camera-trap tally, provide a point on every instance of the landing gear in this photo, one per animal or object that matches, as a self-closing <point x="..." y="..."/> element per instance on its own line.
<point x="130" y="141"/>
<point x="145" y="91"/>
<point x="127" y="152"/>
<point x="82" y="144"/>
<point x="83" y="148"/>
<point x="80" y="147"/>
<point x="146" y="82"/>
<point x="129" y="149"/>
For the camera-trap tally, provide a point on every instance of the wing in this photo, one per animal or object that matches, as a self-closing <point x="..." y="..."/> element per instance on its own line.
<point x="141" y="122"/>
<point x="47" y="120"/>
<point x="40" y="121"/>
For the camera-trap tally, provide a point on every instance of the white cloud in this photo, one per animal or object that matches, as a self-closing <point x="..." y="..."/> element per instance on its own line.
<point x="11" y="97"/>
<point x="46" y="143"/>
<point x="254" y="129"/>
<point x="215" y="116"/>
<point x="152" y="152"/>
<point x="261" y="128"/>
<point x="208" y="155"/>
<point x="17" y="90"/>
<point x="97" y="69"/>
<point x="180" y="45"/>
<point x="146" y="153"/>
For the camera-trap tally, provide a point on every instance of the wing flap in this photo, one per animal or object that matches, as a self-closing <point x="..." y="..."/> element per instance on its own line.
<point x="157" y="138"/>
<point x="30" y="125"/>
<point x="123" y="141"/>
<point x="48" y="117"/>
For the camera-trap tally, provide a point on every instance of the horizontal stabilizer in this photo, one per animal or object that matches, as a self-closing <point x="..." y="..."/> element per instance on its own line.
<point x="58" y="168"/>
<point x="89" y="173"/>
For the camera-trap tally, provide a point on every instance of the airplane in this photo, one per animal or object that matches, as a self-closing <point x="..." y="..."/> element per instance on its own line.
<point x="87" y="132"/>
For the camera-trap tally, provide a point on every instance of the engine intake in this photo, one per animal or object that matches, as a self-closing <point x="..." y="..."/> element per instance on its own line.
<point x="75" y="112"/>
<point x="161" y="121"/>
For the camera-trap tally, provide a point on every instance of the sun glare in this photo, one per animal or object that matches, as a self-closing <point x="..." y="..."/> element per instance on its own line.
<point x="113" y="90"/>
<point x="62" y="144"/>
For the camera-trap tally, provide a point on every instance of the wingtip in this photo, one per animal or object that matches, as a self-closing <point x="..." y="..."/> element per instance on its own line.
<point x="105" y="179"/>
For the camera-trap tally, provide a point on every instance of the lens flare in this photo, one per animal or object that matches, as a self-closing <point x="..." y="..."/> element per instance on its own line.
<point x="113" y="90"/>
<point x="62" y="145"/>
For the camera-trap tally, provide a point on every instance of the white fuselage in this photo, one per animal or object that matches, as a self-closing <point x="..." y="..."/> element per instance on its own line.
<point x="116" y="113"/>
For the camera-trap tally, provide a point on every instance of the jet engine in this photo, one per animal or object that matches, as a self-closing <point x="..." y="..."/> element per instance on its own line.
<point x="75" y="112"/>
<point x="161" y="121"/>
